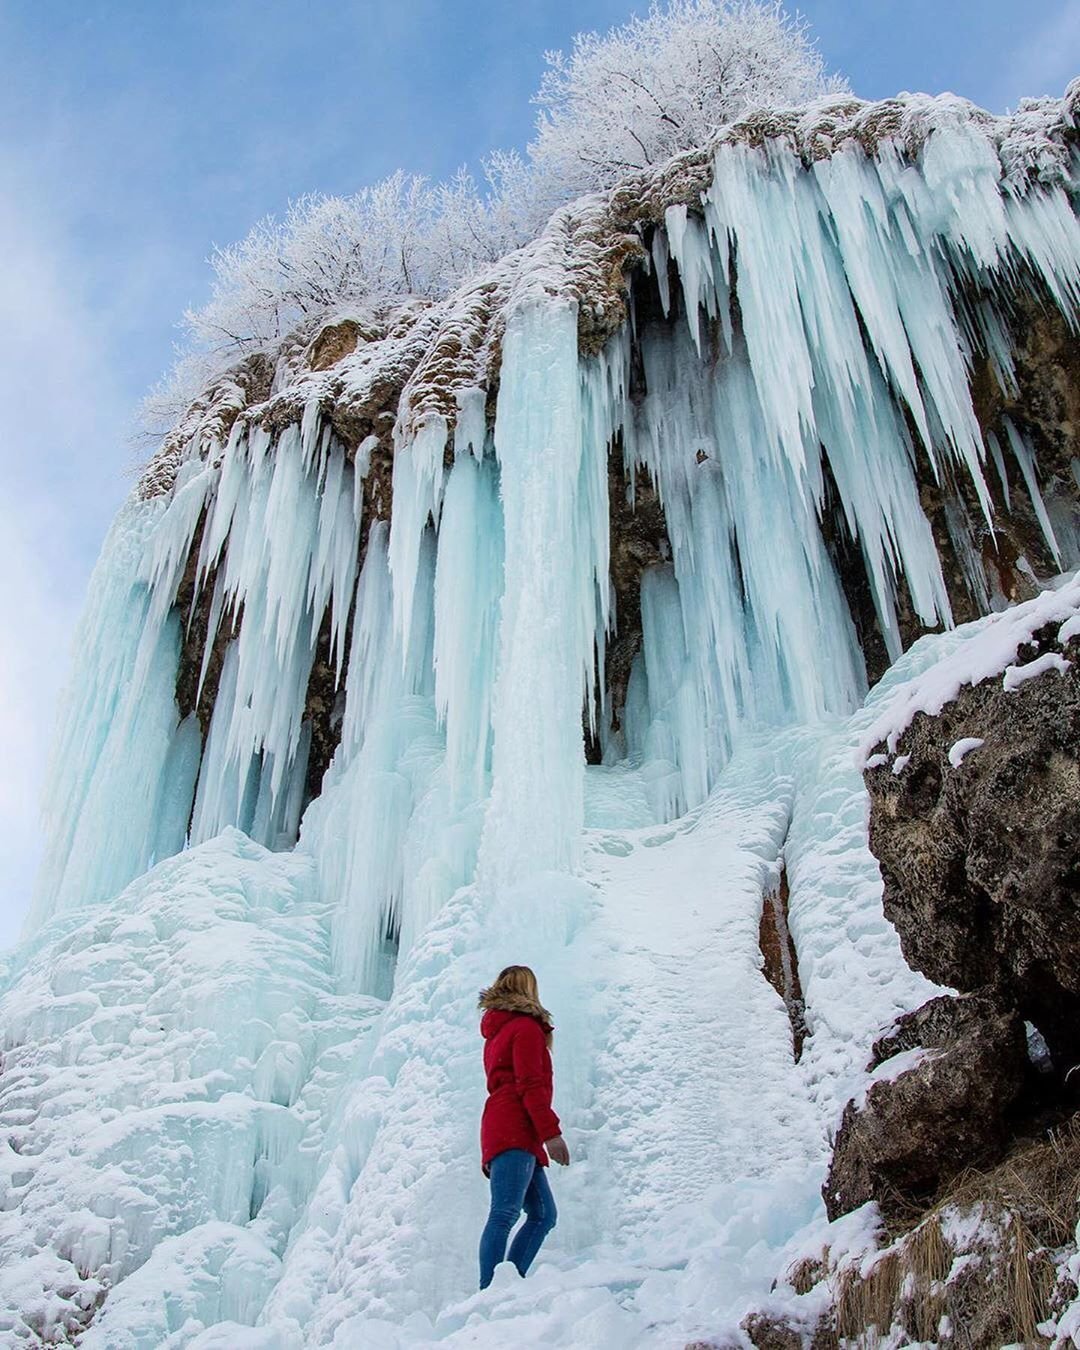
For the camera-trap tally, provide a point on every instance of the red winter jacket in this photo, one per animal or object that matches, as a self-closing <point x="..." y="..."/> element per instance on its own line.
<point x="517" y="1113"/>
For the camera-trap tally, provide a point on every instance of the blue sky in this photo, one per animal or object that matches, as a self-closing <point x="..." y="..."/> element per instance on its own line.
<point x="134" y="134"/>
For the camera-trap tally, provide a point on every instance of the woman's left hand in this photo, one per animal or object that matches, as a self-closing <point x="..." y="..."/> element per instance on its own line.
<point x="557" y="1150"/>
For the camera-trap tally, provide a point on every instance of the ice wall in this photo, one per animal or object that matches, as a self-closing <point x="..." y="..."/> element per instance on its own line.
<point x="805" y="341"/>
<point x="123" y="765"/>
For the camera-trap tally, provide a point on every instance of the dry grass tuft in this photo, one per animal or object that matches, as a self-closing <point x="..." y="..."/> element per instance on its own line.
<point x="979" y="1268"/>
<point x="805" y="1274"/>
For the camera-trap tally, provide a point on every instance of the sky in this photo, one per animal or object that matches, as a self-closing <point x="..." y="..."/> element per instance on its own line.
<point x="136" y="134"/>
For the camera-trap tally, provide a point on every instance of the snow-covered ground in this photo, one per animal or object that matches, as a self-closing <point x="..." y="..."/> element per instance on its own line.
<point x="978" y="652"/>
<point x="197" y="1118"/>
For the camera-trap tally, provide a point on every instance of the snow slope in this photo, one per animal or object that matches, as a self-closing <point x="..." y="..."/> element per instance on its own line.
<point x="221" y="1137"/>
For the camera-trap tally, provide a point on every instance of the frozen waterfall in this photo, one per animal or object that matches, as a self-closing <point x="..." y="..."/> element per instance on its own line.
<point x="335" y="743"/>
<point x="822" y="331"/>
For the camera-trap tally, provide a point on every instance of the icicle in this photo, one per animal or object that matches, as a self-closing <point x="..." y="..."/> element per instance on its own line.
<point x="754" y="203"/>
<point x="311" y="429"/>
<point x="163" y="563"/>
<point x="958" y="525"/>
<point x="871" y="460"/>
<point x="885" y="249"/>
<point x="801" y="626"/>
<point x="994" y="446"/>
<point x="1043" y="228"/>
<point x="220" y="786"/>
<point x="333" y="567"/>
<point x="177" y="789"/>
<point x="357" y="828"/>
<point x="362" y="461"/>
<point x="690" y="247"/>
<point x="1026" y="460"/>
<point x="372" y="623"/>
<point x="468" y="587"/>
<point x="418" y="487"/>
<point x="993" y="336"/>
<point x="470" y="429"/>
<point x="660" y="256"/>
<point x="677" y="713"/>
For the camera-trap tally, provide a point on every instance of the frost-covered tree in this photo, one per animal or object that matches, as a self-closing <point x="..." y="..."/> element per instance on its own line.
<point x="654" y="86"/>
<point x="620" y="101"/>
<point x="326" y="252"/>
<point x="404" y="236"/>
<point x="471" y="229"/>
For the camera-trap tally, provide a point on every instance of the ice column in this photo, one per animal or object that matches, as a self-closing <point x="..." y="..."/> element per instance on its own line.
<point x="468" y="589"/>
<point x="555" y="508"/>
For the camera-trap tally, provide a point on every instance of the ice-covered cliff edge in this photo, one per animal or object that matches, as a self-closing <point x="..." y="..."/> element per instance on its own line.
<point x="528" y="625"/>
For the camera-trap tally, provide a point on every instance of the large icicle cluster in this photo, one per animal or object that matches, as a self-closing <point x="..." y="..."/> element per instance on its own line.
<point x="852" y="357"/>
<point x="820" y="336"/>
<point x="133" y="780"/>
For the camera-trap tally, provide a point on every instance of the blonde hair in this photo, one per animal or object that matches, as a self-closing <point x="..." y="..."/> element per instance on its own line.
<point x="515" y="990"/>
<point x="516" y="980"/>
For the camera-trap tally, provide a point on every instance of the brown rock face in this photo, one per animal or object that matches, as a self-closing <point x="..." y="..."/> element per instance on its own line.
<point x="919" y="1130"/>
<point x="334" y="342"/>
<point x="981" y="863"/>
<point x="782" y="960"/>
<point x="638" y="540"/>
<point x="981" y="867"/>
<point x="771" y="1333"/>
<point x="194" y="610"/>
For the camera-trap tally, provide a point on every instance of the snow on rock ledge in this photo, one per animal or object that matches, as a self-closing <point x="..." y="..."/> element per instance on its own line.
<point x="979" y="651"/>
<point x="979" y="861"/>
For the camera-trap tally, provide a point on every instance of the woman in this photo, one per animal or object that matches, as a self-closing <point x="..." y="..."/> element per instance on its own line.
<point x="519" y="1130"/>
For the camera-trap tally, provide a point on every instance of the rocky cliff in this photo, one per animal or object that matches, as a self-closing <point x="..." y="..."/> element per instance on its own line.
<point x="967" y="1142"/>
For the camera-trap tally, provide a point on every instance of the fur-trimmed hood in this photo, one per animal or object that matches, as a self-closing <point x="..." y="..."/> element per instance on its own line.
<point x="490" y="1001"/>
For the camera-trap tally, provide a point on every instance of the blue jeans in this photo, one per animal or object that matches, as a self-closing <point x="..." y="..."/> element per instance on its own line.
<point x="517" y="1182"/>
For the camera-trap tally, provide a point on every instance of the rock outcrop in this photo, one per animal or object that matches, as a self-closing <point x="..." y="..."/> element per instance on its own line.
<point x="946" y="1112"/>
<point x="975" y="821"/>
<point x="980" y="857"/>
<point x="966" y="1137"/>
